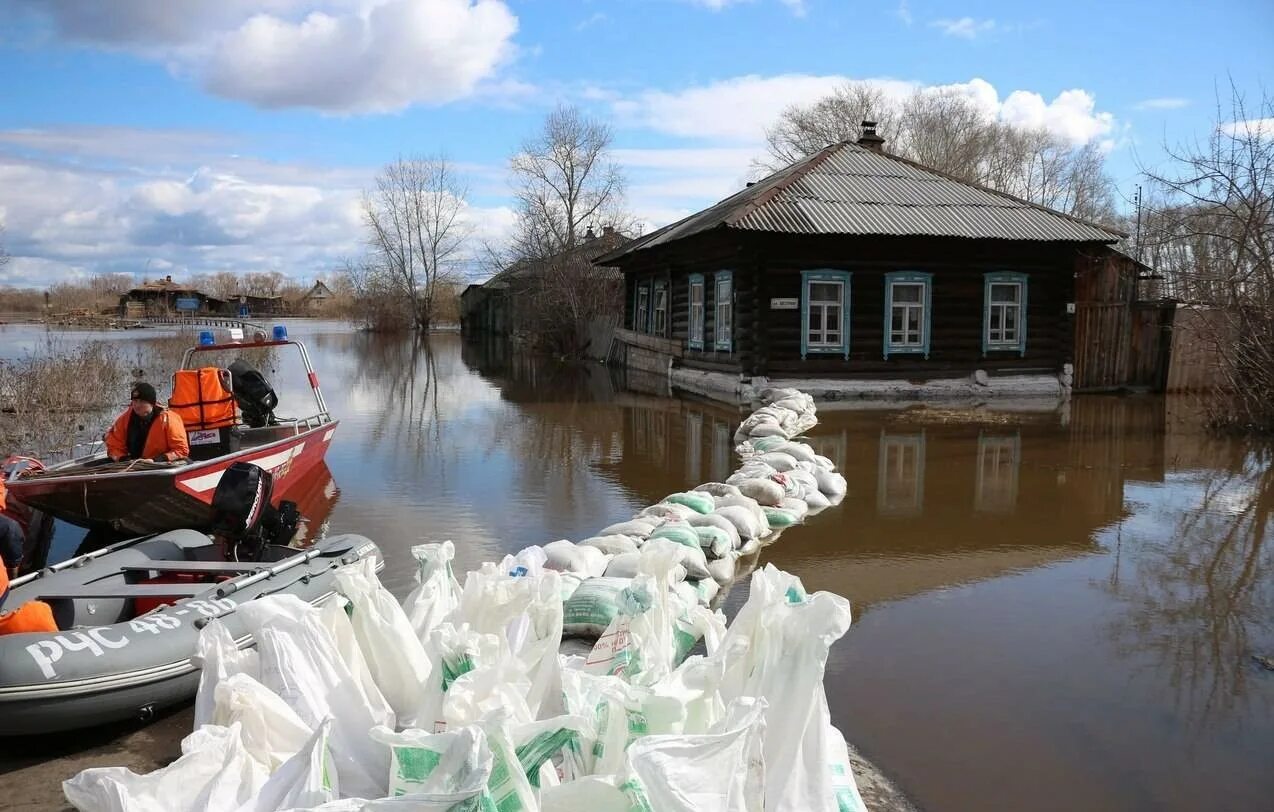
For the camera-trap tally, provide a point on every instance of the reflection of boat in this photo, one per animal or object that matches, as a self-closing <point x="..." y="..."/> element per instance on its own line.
<point x="130" y="614"/>
<point x="146" y="497"/>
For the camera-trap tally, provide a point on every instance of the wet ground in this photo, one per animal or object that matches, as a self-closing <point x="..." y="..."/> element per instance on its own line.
<point x="1058" y="610"/>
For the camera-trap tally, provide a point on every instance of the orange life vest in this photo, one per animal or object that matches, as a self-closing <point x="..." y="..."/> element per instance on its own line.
<point x="32" y="616"/>
<point x="203" y="398"/>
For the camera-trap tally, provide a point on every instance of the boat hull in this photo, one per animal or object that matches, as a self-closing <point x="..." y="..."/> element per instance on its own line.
<point x="133" y="668"/>
<point x="159" y="499"/>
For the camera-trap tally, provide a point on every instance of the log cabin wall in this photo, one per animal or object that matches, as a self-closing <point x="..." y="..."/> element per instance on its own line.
<point x="766" y="266"/>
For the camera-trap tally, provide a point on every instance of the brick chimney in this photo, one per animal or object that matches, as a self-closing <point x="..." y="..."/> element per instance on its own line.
<point x="870" y="139"/>
<point x="607" y="231"/>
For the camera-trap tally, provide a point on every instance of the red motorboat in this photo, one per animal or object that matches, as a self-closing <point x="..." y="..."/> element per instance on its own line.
<point x="140" y="496"/>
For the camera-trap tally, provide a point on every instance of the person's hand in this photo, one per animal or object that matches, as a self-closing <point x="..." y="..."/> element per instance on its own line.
<point x="159" y="458"/>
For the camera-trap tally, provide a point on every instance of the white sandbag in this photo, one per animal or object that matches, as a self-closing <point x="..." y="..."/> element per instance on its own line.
<point x="271" y="732"/>
<point x="791" y="487"/>
<point x="687" y="592"/>
<point x="565" y="556"/>
<point x="501" y="686"/>
<point x="629" y="565"/>
<point x="797" y="507"/>
<point x="219" y="657"/>
<point x="615" y="709"/>
<point x="694" y="689"/>
<point x="594" y="793"/>
<point x="751" y="469"/>
<point x="816" y="501"/>
<point x="666" y="511"/>
<point x="722" y="570"/>
<point x="335" y="619"/>
<point x="593" y="606"/>
<point x="697" y="501"/>
<point x="526" y="614"/>
<point x="779" y="461"/>
<point x="772" y="429"/>
<point x="527" y="561"/>
<point x="389" y="643"/>
<point x="801" y="452"/>
<point x="718" y="489"/>
<point x="780" y="518"/>
<point x="777" y="393"/>
<point x="213" y="774"/>
<point x="760" y="445"/>
<point x="707" y="589"/>
<point x="807" y="482"/>
<point x="453" y="652"/>
<point x="765" y="491"/>
<point x="831" y="484"/>
<point x="751" y="505"/>
<point x="690" y="558"/>
<point x="508" y="788"/>
<point x="744" y="521"/>
<point x="714" y="541"/>
<point x="654" y="629"/>
<point x="777" y="648"/>
<point x="437" y="592"/>
<point x="719" y="771"/>
<point x="300" y="663"/>
<point x="749" y="547"/>
<point x="635" y="528"/>
<point x="449" y="768"/>
<point x="611" y="544"/>
<point x="721" y="523"/>
<point x="551" y="751"/>
<point x="680" y="532"/>
<point x="307" y="779"/>
<point x="824" y="463"/>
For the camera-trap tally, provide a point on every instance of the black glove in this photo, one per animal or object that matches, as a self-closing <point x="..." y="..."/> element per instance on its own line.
<point x="159" y="458"/>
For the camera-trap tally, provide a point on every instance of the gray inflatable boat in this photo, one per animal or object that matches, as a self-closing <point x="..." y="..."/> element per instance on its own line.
<point x="130" y="615"/>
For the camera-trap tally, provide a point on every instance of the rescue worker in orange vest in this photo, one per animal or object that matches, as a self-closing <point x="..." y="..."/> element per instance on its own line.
<point x="147" y="431"/>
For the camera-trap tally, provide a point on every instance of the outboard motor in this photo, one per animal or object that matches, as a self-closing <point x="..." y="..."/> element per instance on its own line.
<point x="243" y="520"/>
<point x="254" y="394"/>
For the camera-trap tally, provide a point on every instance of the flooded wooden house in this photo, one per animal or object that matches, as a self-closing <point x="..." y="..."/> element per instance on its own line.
<point x="499" y="305"/>
<point x="854" y="273"/>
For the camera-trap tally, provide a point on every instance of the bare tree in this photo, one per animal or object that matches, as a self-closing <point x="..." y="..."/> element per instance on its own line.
<point x="564" y="179"/>
<point x="376" y="302"/>
<point x="944" y="129"/>
<point x="1214" y="235"/>
<point x="415" y="228"/>
<point x="224" y="285"/>
<point x="566" y="184"/>
<point x="263" y="283"/>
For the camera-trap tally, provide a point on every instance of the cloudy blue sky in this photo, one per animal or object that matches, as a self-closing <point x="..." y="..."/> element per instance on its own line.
<point x="188" y="136"/>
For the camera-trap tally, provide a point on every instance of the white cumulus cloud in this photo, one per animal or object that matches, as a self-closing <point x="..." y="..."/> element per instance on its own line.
<point x="1163" y="103"/>
<point x="339" y="56"/>
<point x="737" y="111"/>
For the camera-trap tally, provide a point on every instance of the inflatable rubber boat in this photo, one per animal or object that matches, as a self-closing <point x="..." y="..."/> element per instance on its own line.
<point x="129" y="615"/>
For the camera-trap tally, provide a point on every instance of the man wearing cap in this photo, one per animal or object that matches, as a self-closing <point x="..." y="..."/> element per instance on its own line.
<point x="147" y="431"/>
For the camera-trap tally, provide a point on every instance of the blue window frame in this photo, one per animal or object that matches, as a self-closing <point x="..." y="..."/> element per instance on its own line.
<point x="723" y="312"/>
<point x="1004" y="313"/>
<point x="908" y="313"/>
<point x="825" y="305"/>
<point x="697" y="305"/>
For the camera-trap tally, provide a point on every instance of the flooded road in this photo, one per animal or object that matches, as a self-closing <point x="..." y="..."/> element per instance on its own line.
<point x="1053" y="611"/>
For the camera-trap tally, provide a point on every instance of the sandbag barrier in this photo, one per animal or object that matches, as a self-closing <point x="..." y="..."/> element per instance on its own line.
<point x="557" y="680"/>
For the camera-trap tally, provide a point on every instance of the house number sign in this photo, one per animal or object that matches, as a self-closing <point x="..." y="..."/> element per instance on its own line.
<point x="784" y="304"/>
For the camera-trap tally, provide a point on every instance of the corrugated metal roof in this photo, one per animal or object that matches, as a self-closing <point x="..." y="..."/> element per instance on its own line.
<point x="847" y="189"/>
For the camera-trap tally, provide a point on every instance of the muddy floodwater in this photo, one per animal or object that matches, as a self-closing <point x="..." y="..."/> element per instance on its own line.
<point x="1059" y="610"/>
